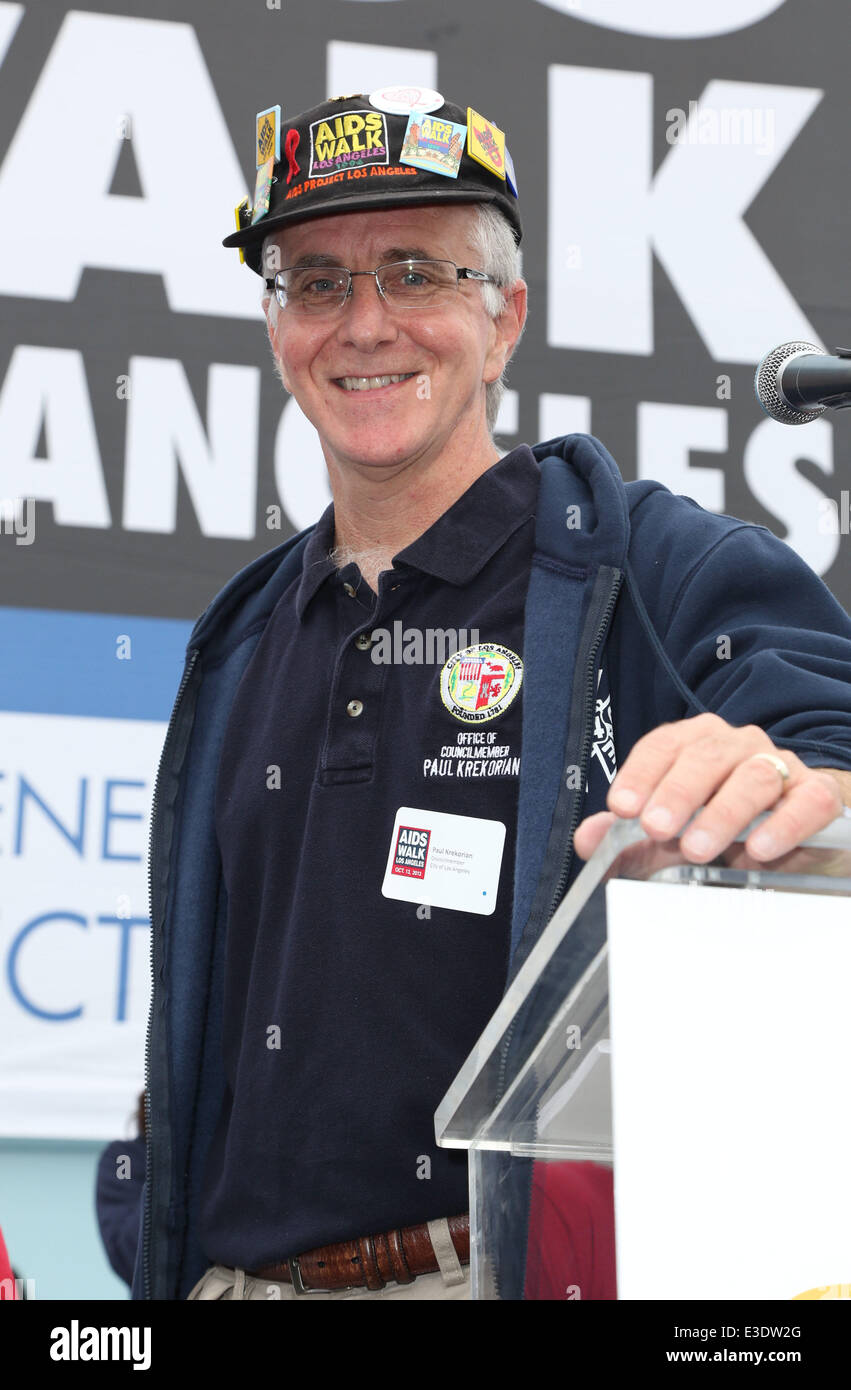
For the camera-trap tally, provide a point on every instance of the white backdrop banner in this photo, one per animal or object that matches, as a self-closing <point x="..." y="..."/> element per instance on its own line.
<point x="75" y="794"/>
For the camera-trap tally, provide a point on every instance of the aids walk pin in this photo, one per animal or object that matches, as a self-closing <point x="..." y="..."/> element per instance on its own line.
<point x="485" y="143"/>
<point x="268" y="135"/>
<point x="429" y="143"/>
<point x="262" y="190"/>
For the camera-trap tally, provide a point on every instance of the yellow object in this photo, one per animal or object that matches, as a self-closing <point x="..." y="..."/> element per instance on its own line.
<point x="485" y="143"/>
<point x="238" y="210"/>
<point x="267" y="141"/>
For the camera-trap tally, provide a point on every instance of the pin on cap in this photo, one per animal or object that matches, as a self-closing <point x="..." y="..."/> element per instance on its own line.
<point x="268" y="135"/>
<point x="242" y="214"/>
<point x="398" y="101"/>
<point x="290" y="147"/>
<point x="485" y="143"/>
<point x="433" y="144"/>
<point x="510" y="176"/>
<point x="262" y="190"/>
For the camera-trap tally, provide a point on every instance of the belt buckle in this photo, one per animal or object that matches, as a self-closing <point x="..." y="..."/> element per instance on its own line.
<point x="298" y="1283"/>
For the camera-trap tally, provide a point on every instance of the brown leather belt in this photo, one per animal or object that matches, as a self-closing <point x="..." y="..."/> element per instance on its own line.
<point x="370" y="1261"/>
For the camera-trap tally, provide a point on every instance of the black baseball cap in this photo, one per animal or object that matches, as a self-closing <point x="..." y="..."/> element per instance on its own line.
<point x="394" y="147"/>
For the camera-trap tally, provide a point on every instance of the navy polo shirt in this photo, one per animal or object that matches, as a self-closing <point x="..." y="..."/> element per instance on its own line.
<point x="348" y="1013"/>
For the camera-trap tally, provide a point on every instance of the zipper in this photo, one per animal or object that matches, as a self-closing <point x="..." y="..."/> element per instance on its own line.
<point x="149" y="1151"/>
<point x="584" y="756"/>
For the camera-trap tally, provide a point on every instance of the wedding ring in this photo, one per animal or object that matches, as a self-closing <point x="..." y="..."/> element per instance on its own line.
<point x="777" y="763"/>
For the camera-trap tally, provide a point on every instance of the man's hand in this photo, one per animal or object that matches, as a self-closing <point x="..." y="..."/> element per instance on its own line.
<point x="705" y="761"/>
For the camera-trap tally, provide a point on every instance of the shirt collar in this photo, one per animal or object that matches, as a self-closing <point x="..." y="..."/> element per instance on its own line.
<point x="316" y="566"/>
<point x="461" y="541"/>
<point x="472" y="530"/>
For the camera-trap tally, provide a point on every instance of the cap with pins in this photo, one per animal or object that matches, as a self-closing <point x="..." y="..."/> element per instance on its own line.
<point x="394" y="147"/>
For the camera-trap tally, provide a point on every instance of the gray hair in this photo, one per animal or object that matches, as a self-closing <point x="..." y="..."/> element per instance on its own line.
<point x="498" y="255"/>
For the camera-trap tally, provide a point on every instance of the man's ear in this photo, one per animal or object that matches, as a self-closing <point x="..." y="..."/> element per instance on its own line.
<point x="508" y="328"/>
<point x="514" y="318"/>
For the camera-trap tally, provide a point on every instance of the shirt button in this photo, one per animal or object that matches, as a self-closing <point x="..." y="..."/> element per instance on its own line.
<point x="350" y="590"/>
<point x="364" y="642"/>
<point x="354" y="708"/>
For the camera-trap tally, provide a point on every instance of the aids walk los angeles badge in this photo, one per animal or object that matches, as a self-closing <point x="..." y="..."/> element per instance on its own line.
<point x="267" y="126"/>
<point x="433" y="145"/>
<point x="479" y="683"/>
<point x="349" y="141"/>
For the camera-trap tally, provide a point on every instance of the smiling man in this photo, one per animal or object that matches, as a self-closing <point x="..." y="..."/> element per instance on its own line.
<point x="350" y="855"/>
<point x="395" y="384"/>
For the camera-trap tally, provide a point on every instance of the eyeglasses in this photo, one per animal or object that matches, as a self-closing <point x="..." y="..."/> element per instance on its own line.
<point x="403" y="285"/>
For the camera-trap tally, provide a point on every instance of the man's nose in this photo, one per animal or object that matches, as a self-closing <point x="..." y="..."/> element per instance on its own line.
<point x="365" y="316"/>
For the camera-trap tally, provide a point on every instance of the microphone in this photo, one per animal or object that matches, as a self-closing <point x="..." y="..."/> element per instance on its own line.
<point x="796" y="382"/>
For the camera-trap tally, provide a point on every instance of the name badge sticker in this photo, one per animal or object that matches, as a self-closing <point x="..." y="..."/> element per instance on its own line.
<point x="444" y="860"/>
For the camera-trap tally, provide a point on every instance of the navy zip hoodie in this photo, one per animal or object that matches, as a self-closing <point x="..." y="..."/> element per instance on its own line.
<point x="643" y="580"/>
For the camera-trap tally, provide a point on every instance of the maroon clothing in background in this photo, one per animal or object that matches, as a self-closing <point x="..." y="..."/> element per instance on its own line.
<point x="571" y="1251"/>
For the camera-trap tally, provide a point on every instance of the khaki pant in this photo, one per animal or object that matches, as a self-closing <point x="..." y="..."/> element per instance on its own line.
<point x="452" y="1281"/>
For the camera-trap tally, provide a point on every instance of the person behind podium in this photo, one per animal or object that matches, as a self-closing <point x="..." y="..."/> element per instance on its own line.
<point x="358" y="837"/>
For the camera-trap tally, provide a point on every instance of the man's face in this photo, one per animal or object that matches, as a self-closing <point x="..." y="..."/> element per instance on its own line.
<point x="447" y="353"/>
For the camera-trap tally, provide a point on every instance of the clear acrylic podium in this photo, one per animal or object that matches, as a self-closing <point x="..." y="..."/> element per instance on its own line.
<point x="727" y="1088"/>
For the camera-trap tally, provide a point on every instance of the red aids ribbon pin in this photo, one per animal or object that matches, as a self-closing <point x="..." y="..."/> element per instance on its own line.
<point x="290" y="147"/>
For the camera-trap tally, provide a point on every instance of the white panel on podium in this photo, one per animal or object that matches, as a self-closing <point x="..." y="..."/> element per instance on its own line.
<point x="731" y="1038"/>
